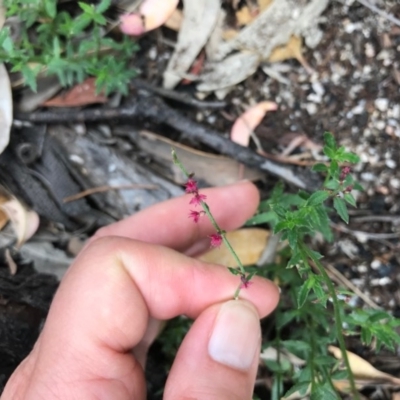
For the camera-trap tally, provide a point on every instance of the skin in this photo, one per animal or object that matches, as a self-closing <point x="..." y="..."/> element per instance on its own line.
<point x="131" y="275"/>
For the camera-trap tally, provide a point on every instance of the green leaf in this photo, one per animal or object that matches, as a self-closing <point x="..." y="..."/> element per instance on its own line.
<point x="29" y="77"/>
<point x="303" y="293"/>
<point x="103" y="6"/>
<point x="319" y="292"/>
<point x="87" y="8"/>
<point x="292" y="238"/>
<point x="324" y="391"/>
<point x="318" y="198"/>
<point x="302" y="388"/>
<point x="51" y="8"/>
<point x="320" y="168"/>
<point x="329" y="152"/>
<point x="341" y="208"/>
<point x="349" y="157"/>
<point x="334" y="169"/>
<point x="358" y="186"/>
<point x="280" y="226"/>
<point x="296" y="259"/>
<point x="265" y="217"/>
<point x="329" y="140"/>
<point x="348" y="197"/>
<point x="234" y="271"/>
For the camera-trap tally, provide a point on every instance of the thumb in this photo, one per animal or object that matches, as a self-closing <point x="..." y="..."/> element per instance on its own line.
<point x="218" y="358"/>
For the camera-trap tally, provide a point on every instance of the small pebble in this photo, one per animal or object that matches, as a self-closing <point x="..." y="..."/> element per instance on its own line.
<point x="391" y="163"/>
<point x="382" y="104"/>
<point x="394" y="183"/>
<point x="376" y="264"/>
<point x="369" y="50"/>
<point x="368" y="176"/>
<point x="311" y="108"/>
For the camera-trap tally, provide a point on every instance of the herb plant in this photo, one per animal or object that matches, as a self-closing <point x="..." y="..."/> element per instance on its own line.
<point x="66" y="40"/>
<point x="319" y="310"/>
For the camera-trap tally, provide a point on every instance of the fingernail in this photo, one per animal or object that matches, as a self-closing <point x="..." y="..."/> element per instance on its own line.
<point x="235" y="336"/>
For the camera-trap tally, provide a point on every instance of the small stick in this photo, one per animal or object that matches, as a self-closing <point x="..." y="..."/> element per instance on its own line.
<point x="105" y="188"/>
<point x="382" y="13"/>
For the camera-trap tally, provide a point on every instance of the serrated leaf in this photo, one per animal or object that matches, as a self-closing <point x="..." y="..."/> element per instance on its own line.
<point x="280" y="226"/>
<point x="265" y="217"/>
<point x="334" y="169"/>
<point x="349" y="157"/>
<point x="292" y="238"/>
<point x="317" y="198"/>
<point x="325" y="392"/>
<point x="51" y="8"/>
<point x="301" y="388"/>
<point x="358" y="186"/>
<point x="87" y="8"/>
<point x="320" y="168"/>
<point x="103" y="6"/>
<point x="329" y="140"/>
<point x="303" y="293"/>
<point x="296" y="259"/>
<point x="329" y="152"/>
<point x="348" y="197"/>
<point x="319" y="292"/>
<point x="341" y="208"/>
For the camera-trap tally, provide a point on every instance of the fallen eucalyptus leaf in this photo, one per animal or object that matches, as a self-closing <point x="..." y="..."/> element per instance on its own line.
<point x="244" y="126"/>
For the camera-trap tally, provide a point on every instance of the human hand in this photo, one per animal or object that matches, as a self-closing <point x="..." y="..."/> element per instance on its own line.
<point x="131" y="273"/>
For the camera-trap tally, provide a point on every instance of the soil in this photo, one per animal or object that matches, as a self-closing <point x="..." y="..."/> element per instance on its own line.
<point x="354" y="93"/>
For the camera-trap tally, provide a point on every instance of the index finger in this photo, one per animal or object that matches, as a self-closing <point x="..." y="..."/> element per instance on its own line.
<point x="168" y="223"/>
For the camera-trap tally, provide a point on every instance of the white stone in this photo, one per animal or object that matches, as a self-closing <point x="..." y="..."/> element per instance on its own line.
<point x="311" y="108"/>
<point x="391" y="163"/>
<point x="382" y="104"/>
<point x="394" y="183"/>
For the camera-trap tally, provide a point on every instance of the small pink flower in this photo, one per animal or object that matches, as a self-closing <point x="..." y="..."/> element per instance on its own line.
<point x="195" y="215"/>
<point x="191" y="186"/>
<point x="216" y="239"/>
<point x="245" y="283"/>
<point x="345" y="171"/>
<point x="197" y="199"/>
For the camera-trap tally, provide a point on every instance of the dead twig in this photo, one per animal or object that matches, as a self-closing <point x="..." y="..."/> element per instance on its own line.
<point x="105" y="188"/>
<point x="180" y="97"/>
<point x="340" y="278"/>
<point x="154" y="109"/>
<point x="366" y="235"/>
<point x="382" y="13"/>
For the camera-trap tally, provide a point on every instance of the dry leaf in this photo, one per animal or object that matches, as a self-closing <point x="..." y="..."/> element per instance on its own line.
<point x="199" y="20"/>
<point x="248" y="245"/>
<point x="271" y="353"/>
<point x="151" y="15"/>
<point x="24" y="222"/>
<point x="6" y="108"/>
<point x="362" y="369"/>
<point x="244" y="126"/>
<point x="292" y="49"/>
<point x="214" y="169"/>
<point x="174" y="22"/>
<point x="80" y="95"/>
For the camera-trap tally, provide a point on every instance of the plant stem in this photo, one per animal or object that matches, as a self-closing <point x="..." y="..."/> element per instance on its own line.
<point x="338" y="318"/>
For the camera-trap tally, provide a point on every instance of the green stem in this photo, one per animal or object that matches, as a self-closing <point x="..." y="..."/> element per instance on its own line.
<point x="206" y="209"/>
<point x="338" y="317"/>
